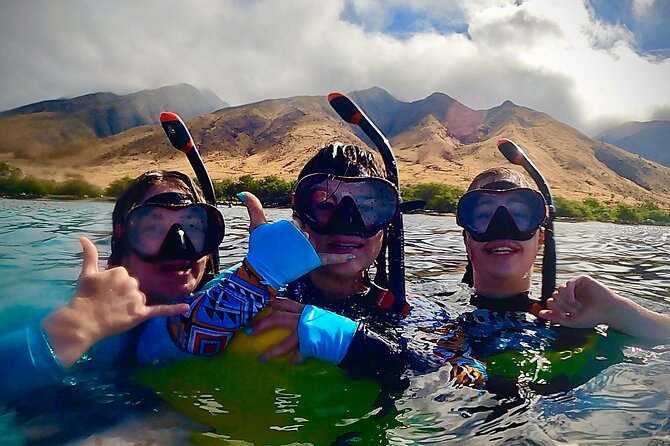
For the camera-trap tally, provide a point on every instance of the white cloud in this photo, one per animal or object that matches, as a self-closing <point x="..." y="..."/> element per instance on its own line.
<point x="555" y="57"/>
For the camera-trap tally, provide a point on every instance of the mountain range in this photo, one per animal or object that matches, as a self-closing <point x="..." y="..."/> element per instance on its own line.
<point x="435" y="139"/>
<point x="650" y="140"/>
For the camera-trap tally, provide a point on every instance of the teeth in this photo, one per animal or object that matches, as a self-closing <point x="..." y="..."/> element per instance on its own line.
<point x="348" y="245"/>
<point x="501" y="250"/>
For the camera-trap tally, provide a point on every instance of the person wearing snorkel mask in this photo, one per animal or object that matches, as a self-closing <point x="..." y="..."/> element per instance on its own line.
<point x="163" y="247"/>
<point x="502" y="215"/>
<point x="344" y="203"/>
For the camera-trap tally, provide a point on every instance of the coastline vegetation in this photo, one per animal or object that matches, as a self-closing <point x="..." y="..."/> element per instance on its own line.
<point x="273" y="191"/>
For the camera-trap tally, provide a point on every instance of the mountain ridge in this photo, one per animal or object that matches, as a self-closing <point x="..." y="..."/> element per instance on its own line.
<point x="436" y="139"/>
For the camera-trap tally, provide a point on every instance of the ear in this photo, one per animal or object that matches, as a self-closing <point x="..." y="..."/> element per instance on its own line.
<point x="540" y="239"/>
<point x="465" y="242"/>
<point x="292" y="199"/>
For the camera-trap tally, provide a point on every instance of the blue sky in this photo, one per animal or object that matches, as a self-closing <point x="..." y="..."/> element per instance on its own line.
<point x="590" y="64"/>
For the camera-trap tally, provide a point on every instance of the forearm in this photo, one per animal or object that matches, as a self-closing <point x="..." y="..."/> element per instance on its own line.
<point x="27" y="362"/>
<point x="633" y="319"/>
<point x="373" y="355"/>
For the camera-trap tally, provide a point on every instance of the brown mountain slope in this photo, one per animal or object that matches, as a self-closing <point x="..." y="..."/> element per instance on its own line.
<point x="278" y="136"/>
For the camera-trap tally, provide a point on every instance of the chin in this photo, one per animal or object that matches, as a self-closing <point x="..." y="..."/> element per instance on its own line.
<point x="345" y="269"/>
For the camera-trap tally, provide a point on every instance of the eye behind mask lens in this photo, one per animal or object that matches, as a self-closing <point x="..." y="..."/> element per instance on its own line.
<point x="514" y="214"/>
<point x="345" y="206"/>
<point x="159" y="232"/>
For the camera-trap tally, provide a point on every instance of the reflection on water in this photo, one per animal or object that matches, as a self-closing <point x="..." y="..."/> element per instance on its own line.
<point x="628" y="402"/>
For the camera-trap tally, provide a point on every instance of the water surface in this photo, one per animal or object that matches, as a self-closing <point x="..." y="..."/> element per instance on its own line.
<point x="626" y="403"/>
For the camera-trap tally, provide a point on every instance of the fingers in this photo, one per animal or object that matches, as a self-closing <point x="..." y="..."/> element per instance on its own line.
<point x="90" y="253"/>
<point x="288" y="305"/>
<point x="166" y="310"/>
<point x="277" y="319"/>
<point x="551" y="315"/>
<point x="254" y="208"/>
<point x="563" y="300"/>
<point x="328" y="258"/>
<point x="281" y="348"/>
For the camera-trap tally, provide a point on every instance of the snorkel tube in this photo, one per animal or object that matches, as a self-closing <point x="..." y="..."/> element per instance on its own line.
<point x="181" y="139"/>
<point x="351" y="113"/>
<point x="517" y="156"/>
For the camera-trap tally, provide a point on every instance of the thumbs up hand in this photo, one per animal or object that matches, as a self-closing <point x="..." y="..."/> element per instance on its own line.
<point x="105" y="303"/>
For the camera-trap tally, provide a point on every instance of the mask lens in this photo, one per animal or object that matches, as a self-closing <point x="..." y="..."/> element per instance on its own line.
<point x="148" y="226"/>
<point x="526" y="207"/>
<point x="317" y="197"/>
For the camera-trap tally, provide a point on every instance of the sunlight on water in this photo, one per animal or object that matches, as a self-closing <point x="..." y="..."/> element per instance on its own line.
<point x="40" y="259"/>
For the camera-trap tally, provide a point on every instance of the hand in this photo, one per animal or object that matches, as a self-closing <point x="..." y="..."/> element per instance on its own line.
<point x="257" y="218"/>
<point x="285" y="314"/>
<point x="581" y="302"/>
<point x="104" y="304"/>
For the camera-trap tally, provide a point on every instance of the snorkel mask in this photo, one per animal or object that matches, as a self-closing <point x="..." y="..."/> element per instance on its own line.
<point x="357" y="206"/>
<point x="170" y="226"/>
<point x="501" y="211"/>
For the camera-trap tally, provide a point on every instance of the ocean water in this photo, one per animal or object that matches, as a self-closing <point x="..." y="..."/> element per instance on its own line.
<point x="626" y="402"/>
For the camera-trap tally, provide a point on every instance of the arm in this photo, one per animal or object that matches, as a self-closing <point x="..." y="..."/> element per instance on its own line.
<point x="278" y="253"/>
<point x="104" y="304"/>
<point x="584" y="302"/>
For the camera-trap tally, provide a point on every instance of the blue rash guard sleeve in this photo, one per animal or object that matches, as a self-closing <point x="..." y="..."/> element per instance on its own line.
<point x="27" y="361"/>
<point x="325" y="335"/>
<point x="280" y="253"/>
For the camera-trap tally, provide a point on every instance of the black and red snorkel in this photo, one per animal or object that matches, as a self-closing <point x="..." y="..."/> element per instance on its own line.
<point x="394" y="279"/>
<point x="181" y="139"/>
<point x="516" y="155"/>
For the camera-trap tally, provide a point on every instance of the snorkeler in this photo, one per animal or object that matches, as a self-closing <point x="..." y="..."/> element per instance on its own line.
<point x="163" y="241"/>
<point x="502" y="216"/>
<point x="345" y="204"/>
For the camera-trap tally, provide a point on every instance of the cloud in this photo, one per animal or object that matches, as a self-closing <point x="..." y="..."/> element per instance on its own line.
<point x="561" y="58"/>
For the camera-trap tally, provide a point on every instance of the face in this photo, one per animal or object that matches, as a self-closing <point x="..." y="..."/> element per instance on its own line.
<point x="166" y="281"/>
<point x="502" y="260"/>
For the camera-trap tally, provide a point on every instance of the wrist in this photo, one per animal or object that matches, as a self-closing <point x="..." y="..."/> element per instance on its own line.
<point x="69" y="333"/>
<point x="325" y="335"/>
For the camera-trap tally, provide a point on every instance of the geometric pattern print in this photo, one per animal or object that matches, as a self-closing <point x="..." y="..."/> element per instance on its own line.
<point x="215" y="314"/>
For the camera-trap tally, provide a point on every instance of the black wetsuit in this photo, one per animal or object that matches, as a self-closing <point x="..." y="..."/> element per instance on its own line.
<point x="379" y="348"/>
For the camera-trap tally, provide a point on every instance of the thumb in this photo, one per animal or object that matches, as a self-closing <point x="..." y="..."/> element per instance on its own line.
<point x="90" y="253"/>
<point x="254" y="208"/>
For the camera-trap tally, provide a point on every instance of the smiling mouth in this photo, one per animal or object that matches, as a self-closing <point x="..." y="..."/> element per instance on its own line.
<point x="501" y="250"/>
<point x="344" y="246"/>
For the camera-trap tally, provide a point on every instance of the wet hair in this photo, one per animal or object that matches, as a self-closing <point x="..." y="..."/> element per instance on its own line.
<point x="132" y="197"/>
<point x="493" y="175"/>
<point x="346" y="160"/>
<point x="500" y="174"/>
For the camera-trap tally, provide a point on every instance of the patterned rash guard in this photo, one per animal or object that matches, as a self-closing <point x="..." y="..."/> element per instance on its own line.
<point x="519" y="348"/>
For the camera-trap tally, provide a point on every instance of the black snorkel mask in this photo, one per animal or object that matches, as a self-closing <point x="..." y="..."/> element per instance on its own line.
<point x="501" y="211"/>
<point x="170" y="226"/>
<point x="339" y="205"/>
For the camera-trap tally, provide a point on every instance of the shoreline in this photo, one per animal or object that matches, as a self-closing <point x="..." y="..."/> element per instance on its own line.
<point x="421" y="212"/>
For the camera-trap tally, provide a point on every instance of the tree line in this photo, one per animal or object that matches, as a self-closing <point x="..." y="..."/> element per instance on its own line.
<point x="275" y="192"/>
